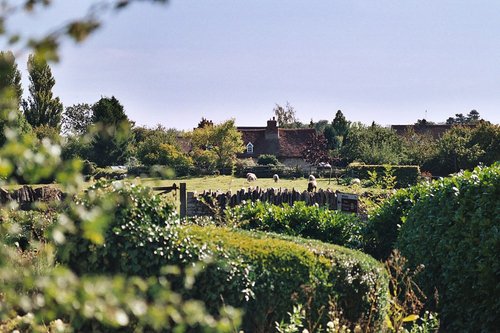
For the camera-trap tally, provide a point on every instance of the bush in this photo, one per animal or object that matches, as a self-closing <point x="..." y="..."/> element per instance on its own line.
<point x="382" y="227"/>
<point x="329" y="226"/>
<point x="452" y="229"/>
<point x="255" y="271"/>
<point x="267" y="159"/>
<point x="406" y="175"/>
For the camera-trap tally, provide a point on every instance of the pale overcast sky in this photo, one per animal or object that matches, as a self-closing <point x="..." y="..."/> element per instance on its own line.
<point x="387" y="61"/>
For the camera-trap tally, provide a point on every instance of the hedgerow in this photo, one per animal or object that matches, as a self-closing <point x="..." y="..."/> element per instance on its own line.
<point x="249" y="270"/>
<point x="453" y="230"/>
<point x="314" y="222"/>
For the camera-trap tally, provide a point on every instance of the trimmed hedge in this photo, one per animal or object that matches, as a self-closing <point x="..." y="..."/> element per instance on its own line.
<point x="453" y="229"/>
<point x="406" y="175"/>
<point x="314" y="222"/>
<point x="382" y="227"/>
<point x="254" y="271"/>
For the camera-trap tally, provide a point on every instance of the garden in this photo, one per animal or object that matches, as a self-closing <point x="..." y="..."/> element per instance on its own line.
<point x="113" y="255"/>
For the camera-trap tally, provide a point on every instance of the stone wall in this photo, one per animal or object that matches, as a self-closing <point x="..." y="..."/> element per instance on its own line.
<point x="206" y="203"/>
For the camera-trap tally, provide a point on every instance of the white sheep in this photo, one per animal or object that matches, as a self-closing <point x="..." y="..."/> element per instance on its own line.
<point x="276" y="178"/>
<point x="312" y="185"/>
<point x="355" y="181"/>
<point x="251" y="177"/>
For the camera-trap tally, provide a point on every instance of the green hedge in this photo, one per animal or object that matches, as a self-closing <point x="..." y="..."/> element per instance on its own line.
<point x="453" y="229"/>
<point x="383" y="225"/>
<point x="254" y="271"/>
<point x="314" y="222"/>
<point x="406" y="175"/>
<point x="267" y="171"/>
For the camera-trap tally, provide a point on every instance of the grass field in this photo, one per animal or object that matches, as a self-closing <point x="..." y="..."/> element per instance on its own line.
<point x="226" y="183"/>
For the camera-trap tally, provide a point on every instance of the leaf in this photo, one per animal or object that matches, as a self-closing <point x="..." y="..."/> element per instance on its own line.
<point x="411" y="317"/>
<point x="389" y="323"/>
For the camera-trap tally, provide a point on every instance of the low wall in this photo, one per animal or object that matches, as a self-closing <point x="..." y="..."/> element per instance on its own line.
<point x="207" y="202"/>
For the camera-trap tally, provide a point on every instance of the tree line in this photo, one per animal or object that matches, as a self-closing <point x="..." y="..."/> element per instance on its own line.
<point x="103" y="134"/>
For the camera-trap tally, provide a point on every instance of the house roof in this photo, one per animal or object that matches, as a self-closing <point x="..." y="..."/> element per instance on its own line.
<point x="281" y="142"/>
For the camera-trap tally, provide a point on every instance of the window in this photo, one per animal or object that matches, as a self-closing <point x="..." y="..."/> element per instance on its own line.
<point x="250" y="148"/>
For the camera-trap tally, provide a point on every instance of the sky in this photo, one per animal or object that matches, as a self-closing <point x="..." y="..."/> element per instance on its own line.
<point x="388" y="61"/>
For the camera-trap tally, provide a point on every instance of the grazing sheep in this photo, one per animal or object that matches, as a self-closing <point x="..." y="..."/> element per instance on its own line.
<point x="355" y="181"/>
<point x="311" y="185"/>
<point x="276" y="178"/>
<point x="251" y="177"/>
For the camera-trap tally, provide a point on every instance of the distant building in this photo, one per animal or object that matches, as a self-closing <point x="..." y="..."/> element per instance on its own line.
<point x="287" y="144"/>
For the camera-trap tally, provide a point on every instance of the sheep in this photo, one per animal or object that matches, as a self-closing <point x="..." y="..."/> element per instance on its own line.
<point x="311" y="185"/>
<point x="251" y="177"/>
<point x="276" y="178"/>
<point x="355" y="181"/>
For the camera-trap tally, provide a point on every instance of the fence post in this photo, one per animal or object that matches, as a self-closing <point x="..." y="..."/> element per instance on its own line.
<point x="183" y="198"/>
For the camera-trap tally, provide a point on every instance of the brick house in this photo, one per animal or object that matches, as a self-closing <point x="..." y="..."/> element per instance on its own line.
<point x="287" y="144"/>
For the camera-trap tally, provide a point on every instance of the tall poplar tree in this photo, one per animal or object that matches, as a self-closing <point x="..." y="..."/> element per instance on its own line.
<point x="11" y="93"/>
<point x="41" y="108"/>
<point x="10" y="81"/>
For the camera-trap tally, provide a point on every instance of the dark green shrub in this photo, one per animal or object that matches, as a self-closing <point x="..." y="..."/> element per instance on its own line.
<point x="314" y="222"/>
<point x="405" y="174"/>
<point x="267" y="159"/>
<point x="255" y="271"/>
<point x="453" y="230"/>
<point x="382" y="227"/>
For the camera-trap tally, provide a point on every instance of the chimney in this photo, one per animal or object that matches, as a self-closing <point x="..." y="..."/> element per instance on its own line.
<point x="272" y="132"/>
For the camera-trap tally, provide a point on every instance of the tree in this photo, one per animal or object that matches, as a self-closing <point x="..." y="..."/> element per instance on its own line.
<point x="41" y="108"/>
<point x="471" y="118"/>
<point x="286" y="116"/>
<point x="113" y="132"/>
<point x="151" y="145"/>
<point x="10" y="97"/>
<point x="223" y="140"/>
<point x="373" y="145"/>
<point x="336" y="133"/>
<point x="10" y="81"/>
<point x="316" y="150"/>
<point x="76" y="119"/>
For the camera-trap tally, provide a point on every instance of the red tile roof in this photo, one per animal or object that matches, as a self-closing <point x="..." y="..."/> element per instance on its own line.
<point x="290" y="143"/>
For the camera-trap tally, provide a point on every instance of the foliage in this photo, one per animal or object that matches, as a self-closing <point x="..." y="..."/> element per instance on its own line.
<point x="76" y="119"/>
<point x="113" y="134"/>
<point x="286" y="116"/>
<point x="77" y="147"/>
<point x="45" y="131"/>
<point x="419" y="148"/>
<point x="160" y="147"/>
<point x="452" y="229"/>
<point x="41" y="108"/>
<point x="248" y="270"/>
<point x="267" y="159"/>
<point x="10" y="81"/>
<point x="273" y="270"/>
<point x="372" y="145"/>
<point x="204" y="160"/>
<point x="37" y="296"/>
<point x="383" y="225"/>
<point x="465" y="147"/>
<point x="329" y="226"/>
<point x="223" y="140"/>
<point x="459" y="119"/>
<point x="316" y="150"/>
<point x="387" y="176"/>
<point x="337" y="132"/>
